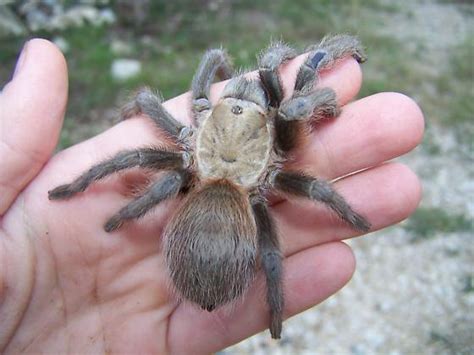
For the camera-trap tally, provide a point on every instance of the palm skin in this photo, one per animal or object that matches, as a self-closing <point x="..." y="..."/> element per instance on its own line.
<point x="68" y="286"/>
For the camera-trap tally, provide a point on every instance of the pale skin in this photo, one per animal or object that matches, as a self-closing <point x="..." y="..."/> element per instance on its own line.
<point x="68" y="286"/>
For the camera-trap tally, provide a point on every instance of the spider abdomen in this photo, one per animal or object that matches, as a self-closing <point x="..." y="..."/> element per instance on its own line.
<point x="211" y="245"/>
<point x="234" y="142"/>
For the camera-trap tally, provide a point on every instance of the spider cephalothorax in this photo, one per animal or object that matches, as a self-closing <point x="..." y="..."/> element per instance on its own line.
<point x="226" y="164"/>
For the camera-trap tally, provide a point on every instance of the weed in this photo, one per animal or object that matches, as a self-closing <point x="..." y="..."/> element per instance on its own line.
<point x="426" y="222"/>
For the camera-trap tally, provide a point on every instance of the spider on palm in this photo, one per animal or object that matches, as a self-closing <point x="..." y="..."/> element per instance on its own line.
<point x="226" y="165"/>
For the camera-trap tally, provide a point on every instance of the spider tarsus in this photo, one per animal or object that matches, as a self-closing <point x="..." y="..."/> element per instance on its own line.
<point x="113" y="224"/>
<point x="271" y="263"/>
<point x="61" y="192"/>
<point x="129" y="110"/>
<point x="360" y="223"/>
<point x="359" y="53"/>
<point x="316" y="59"/>
<point x="276" y="326"/>
<point x="209" y="307"/>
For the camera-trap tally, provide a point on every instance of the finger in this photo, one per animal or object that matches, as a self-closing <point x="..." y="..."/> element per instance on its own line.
<point x="368" y="132"/>
<point x="32" y="109"/>
<point x="310" y="277"/>
<point x="384" y="195"/>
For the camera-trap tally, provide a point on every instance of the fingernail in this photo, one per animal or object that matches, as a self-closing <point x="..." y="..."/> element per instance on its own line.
<point x="21" y="60"/>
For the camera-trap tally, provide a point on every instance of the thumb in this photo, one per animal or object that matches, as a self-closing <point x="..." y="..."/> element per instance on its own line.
<point x="32" y="109"/>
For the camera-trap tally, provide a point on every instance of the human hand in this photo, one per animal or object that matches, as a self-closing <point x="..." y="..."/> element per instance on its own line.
<point x="68" y="286"/>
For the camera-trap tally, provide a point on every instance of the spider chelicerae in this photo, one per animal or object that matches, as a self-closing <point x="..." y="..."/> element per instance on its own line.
<point x="226" y="165"/>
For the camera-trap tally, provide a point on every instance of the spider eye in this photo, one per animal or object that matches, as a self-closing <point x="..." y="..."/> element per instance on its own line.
<point x="236" y="110"/>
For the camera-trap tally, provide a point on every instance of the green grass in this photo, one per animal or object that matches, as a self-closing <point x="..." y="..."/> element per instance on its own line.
<point x="456" y="83"/>
<point x="454" y="102"/>
<point x="426" y="222"/>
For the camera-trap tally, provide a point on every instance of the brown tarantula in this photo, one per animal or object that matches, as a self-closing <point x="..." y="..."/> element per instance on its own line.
<point x="226" y="165"/>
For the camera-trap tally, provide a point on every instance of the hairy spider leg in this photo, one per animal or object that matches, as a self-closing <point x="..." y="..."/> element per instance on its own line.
<point x="291" y="121"/>
<point x="271" y="261"/>
<point x="167" y="187"/>
<point x="269" y="62"/>
<point x="150" y="104"/>
<point x="318" y="190"/>
<point x="151" y="158"/>
<point x="215" y="62"/>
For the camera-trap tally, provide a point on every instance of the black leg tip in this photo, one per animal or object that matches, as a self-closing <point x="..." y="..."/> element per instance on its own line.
<point x="113" y="224"/>
<point x="60" y="192"/>
<point x="361" y="224"/>
<point x="275" y="329"/>
<point x="317" y="58"/>
<point x="209" y="307"/>
<point x="360" y="57"/>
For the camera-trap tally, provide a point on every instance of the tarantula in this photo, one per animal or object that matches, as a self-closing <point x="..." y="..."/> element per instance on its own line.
<point x="225" y="165"/>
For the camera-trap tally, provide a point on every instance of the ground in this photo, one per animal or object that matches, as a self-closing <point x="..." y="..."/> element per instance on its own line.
<point x="413" y="291"/>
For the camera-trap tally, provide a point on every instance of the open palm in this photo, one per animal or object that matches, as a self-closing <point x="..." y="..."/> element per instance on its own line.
<point x="68" y="286"/>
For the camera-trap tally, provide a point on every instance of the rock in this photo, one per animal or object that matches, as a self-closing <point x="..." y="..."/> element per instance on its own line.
<point x="120" y="47"/>
<point x="61" y="43"/>
<point x="53" y="15"/>
<point x="123" y="69"/>
<point x="10" y="23"/>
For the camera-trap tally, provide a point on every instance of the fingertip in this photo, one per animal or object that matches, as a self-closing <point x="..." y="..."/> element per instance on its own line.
<point x="349" y="261"/>
<point x="34" y="101"/>
<point x="408" y="110"/>
<point x="409" y="189"/>
<point x="398" y="190"/>
<point x="327" y="268"/>
<point x="399" y="126"/>
<point x="345" y="78"/>
<point x="43" y="53"/>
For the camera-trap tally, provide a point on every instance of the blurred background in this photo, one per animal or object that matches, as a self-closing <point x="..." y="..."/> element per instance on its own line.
<point x="413" y="291"/>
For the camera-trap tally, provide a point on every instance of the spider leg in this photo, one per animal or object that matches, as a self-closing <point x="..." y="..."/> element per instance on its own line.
<point x="315" y="105"/>
<point x="271" y="261"/>
<point x="324" y="55"/>
<point x="166" y="187"/>
<point x="292" y="114"/>
<point x="269" y="62"/>
<point x="215" y="62"/>
<point x="319" y="190"/>
<point x="148" y="103"/>
<point x="145" y="157"/>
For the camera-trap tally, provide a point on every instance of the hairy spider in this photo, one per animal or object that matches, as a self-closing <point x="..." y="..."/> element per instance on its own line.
<point x="226" y="164"/>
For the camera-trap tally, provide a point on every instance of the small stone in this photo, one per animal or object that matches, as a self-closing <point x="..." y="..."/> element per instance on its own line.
<point x="107" y="16"/>
<point x="61" y="43"/>
<point x="10" y="23"/>
<point x="123" y="69"/>
<point x="120" y="47"/>
<point x="357" y="349"/>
